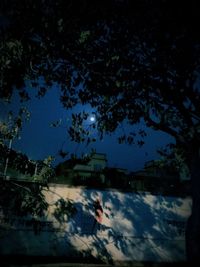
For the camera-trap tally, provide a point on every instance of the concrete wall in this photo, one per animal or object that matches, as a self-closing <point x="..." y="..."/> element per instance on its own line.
<point x="135" y="227"/>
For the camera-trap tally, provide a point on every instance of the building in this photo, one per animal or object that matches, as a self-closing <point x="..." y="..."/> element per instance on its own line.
<point x="135" y="227"/>
<point x="87" y="171"/>
<point x="92" y="172"/>
<point x="159" y="178"/>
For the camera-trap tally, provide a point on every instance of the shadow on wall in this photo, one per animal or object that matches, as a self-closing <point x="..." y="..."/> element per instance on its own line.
<point x="135" y="227"/>
<point x="123" y="227"/>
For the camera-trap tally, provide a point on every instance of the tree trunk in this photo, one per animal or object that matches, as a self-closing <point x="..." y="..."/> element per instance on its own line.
<point x="193" y="225"/>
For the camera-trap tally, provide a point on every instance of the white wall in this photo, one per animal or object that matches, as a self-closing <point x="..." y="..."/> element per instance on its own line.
<point x="135" y="227"/>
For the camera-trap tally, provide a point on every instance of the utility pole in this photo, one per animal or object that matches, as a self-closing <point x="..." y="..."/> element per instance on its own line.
<point x="9" y="149"/>
<point x="7" y="159"/>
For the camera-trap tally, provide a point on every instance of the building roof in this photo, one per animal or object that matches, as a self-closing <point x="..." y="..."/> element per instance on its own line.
<point x="99" y="156"/>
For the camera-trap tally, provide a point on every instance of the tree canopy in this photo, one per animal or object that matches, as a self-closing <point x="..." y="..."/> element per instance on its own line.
<point x="130" y="60"/>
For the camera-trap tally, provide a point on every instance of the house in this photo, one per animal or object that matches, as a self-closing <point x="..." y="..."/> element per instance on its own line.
<point x="92" y="172"/>
<point x="116" y="178"/>
<point x="87" y="171"/>
<point x="158" y="178"/>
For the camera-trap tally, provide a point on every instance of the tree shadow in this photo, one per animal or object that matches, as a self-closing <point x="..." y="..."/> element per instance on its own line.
<point x="135" y="227"/>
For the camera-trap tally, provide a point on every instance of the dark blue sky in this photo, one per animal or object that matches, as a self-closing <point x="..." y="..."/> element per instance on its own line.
<point x="39" y="140"/>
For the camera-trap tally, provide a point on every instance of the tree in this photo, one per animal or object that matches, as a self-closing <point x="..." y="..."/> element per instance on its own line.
<point x="130" y="60"/>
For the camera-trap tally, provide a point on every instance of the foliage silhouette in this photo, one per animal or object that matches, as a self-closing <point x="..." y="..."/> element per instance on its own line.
<point x="124" y="58"/>
<point x="64" y="210"/>
<point x="22" y="198"/>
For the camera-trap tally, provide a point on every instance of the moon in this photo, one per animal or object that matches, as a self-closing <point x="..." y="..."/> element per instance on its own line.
<point x="92" y="118"/>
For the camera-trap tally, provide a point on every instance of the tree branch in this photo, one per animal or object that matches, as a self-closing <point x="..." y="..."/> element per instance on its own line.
<point x="162" y="127"/>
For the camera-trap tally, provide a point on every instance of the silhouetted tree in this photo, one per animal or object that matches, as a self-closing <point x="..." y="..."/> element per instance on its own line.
<point x="131" y="60"/>
<point x="22" y="199"/>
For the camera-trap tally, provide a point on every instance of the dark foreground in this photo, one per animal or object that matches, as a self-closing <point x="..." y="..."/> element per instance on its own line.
<point x="15" y="261"/>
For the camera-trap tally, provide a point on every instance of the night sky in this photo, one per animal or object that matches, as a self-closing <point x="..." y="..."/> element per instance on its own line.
<point x="39" y="140"/>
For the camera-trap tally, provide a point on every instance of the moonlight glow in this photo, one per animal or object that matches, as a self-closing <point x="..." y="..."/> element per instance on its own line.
<point x="92" y="118"/>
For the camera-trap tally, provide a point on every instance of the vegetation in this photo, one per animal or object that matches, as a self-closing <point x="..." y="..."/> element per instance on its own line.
<point x="130" y="60"/>
<point x="22" y="199"/>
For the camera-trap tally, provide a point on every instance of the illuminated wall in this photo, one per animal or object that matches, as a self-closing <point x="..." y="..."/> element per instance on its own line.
<point x="135" y="227"/>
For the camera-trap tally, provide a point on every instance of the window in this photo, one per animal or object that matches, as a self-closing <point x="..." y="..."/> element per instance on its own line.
<point x="97" y="167"/>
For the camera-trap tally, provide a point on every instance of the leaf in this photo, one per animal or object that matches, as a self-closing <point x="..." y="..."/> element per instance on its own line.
<point x="56" y="123"/>
<point x="84" y="36"/>
<point x="118" y="84"/>
<point x="140" y="143"/>
<point x="62" y="153"/>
